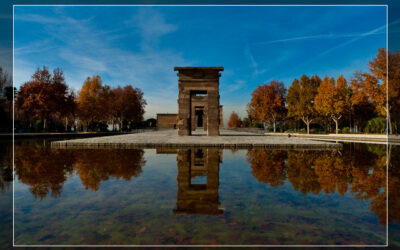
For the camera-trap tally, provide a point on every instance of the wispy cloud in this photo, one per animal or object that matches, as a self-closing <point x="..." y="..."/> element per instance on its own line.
<point x="38" y="19"/>
<point x="324" y="36"/>
<point x="151" y="25"/>
<point x="83" y="49"/>
<point x="360" y="36"/>
<point x="237" y="85"/>
<point x="252" y="62"/>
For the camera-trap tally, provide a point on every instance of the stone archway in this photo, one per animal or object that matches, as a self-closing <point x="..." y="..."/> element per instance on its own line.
<point x="198" y="90"/>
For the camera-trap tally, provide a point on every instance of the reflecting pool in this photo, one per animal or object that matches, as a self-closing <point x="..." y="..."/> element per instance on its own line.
<point x="201" y="196"/>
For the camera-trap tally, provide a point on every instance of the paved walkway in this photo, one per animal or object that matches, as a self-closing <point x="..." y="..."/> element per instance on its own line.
<point x="358" y="138"/>
<point x="170" y="138"/>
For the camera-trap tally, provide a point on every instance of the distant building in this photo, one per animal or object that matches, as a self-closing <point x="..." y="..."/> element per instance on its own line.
<point x="167" y="120"/>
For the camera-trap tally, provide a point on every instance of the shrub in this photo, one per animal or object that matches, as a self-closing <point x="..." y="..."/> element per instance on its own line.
<point x="346" y="130"/>
<point x="376" y="125"/>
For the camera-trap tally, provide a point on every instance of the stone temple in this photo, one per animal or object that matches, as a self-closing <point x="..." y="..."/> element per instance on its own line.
<point x="198" y="102"/>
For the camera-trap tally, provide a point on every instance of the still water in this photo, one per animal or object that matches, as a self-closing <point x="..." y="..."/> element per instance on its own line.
<point x="200" y="196"/>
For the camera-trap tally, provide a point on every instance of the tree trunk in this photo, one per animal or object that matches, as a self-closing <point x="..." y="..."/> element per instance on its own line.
<point x="351" y="126"/>
<point x="337" y="125"/>
<point x="274" y="126"/>
<point x="307" y="121"/>
<point x="44" y="124"/>
<point x="66" y="124"/>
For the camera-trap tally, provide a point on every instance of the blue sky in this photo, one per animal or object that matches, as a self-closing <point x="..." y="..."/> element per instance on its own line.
<point x="141" y="45"/>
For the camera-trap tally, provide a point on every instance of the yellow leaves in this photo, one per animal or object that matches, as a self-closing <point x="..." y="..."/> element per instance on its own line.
<point x="301" y="97"/>
<point x="330" y="100"/>
<point x="94" y="101"/>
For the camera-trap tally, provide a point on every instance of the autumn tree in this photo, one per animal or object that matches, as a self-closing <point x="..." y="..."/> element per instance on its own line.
<point x="300" y="99"/>
<point x="43" y="96"/>
<point x="234" y="120"/>
<point x="94" y="101"/>
<point x="134" y="104"/>
<point x="394" y="90"/>
<point x="128" y="105"/>
<point x="246" y="122"/>
<point x="372" y="86"/>
<point x="331" y="99"/>
<point x="385" y="67"/>
<point x="268" y="103"/>
<point x="367" y="92"/>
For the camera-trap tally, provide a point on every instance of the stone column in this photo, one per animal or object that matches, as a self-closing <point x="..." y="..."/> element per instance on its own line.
<point x="184" y="105"/>
<point x="213" y="113"/>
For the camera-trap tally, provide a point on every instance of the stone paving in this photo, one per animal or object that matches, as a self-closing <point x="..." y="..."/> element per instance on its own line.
<point x="170" y="138"/>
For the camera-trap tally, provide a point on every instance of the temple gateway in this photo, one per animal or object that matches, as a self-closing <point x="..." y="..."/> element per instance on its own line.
<point x="198" y="102"/>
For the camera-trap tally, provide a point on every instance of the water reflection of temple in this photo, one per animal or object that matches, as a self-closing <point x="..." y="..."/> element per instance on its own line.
<point x="198" y="180"/>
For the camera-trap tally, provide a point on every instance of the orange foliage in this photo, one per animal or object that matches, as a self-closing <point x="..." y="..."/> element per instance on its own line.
<point x="45" y="169"/>
<point x="268" y="103"/>
<point x="94" y="166"/>
<point x="268" y="167"/>
<point x="45" y="95"/>
<point x="234" y="120"/>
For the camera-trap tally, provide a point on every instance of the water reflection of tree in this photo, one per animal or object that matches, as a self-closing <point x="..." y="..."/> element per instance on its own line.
<point x="94" y="166"/>
<point x="360" y="169"/>
<point x="5" y="165"/>
<point x="301" y="173"/>
<point x="268" y="166"/>
<point x="46" y="170"/>
<point x="41" y="168"/>
<point x="332" y="172"/>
